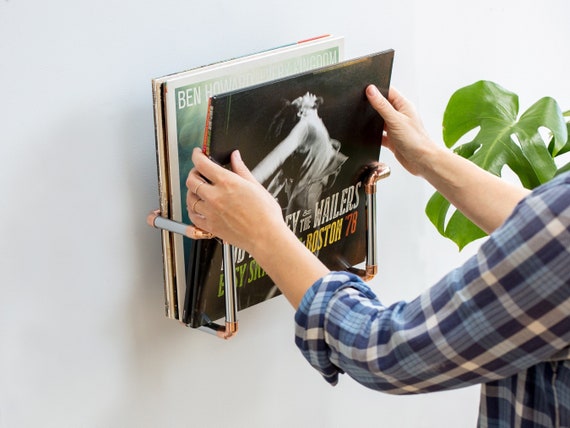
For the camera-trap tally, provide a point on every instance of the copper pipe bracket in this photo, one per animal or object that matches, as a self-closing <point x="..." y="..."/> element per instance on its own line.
<point x="374" y="173"/>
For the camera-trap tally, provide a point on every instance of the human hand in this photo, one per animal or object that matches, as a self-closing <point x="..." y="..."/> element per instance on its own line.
<point x="231" y="205"/>
<point x="404" y="133"/>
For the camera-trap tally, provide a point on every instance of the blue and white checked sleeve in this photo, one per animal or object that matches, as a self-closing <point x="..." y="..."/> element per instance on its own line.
<point x="506" y="309"/>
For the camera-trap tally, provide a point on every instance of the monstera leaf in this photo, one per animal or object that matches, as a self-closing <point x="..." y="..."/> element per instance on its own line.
<point x="504" y="139"/>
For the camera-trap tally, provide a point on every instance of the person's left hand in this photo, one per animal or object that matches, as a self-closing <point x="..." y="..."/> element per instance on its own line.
<point x="231" y="205"/>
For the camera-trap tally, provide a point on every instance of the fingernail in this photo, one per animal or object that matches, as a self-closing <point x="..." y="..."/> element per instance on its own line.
<point x="372" y="91"/>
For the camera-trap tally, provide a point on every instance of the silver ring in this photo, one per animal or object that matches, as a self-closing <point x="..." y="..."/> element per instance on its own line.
<point x="197" y="187"/>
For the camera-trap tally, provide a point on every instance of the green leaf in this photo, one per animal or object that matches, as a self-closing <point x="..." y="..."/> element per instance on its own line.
<point x="466" y="150"/>
<point x="566" y="146"/>
<point x="436" y="210"/>
<point x="459" y="229"/>
<point x="497" y="149"/>
<point x="542" y="164"/>
<point x="470" y="106"/>
<point x="462" y="231"/>
<point x="544" y="113"/>
<point x="564" y="168"/>
<point x="503" y="140"/>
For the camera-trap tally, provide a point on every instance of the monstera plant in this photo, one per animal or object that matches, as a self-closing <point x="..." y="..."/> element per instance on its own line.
<point x="527" y="144"/>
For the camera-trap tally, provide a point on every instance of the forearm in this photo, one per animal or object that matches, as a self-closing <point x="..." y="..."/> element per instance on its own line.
<point x="289" y="263"/>
<point x="484" y="198"/>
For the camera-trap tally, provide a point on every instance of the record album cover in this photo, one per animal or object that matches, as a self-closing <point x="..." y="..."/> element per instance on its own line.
<point x="180" y="108"/>
<point x="309" y="140"/>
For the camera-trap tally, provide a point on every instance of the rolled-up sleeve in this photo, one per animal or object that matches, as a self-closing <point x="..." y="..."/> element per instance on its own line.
<point x="310" y="320"/>
<point x="506" y="309"/>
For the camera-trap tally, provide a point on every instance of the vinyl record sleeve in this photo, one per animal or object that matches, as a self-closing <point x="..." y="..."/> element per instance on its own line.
<point x="308" y="139"/>
<point x="180" y="103"/>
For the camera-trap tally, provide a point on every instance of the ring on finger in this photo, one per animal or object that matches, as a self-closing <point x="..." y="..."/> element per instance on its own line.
<point x="194" y="205"/>
<point x="197" y="187"/>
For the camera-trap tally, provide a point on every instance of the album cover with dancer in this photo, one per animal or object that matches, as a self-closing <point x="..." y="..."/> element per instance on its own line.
<point x="310" y="140"/>
<point x="180" y="107"/>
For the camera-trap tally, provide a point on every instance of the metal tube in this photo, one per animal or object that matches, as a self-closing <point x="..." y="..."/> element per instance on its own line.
<point x="379" y="171"/>
<point x="230" y="283"/>
<point x="155" y="220"/>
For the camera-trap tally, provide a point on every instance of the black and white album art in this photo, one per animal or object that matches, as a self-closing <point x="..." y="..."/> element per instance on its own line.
<point x="305" y="160"/>
<point x="309" y="140"/>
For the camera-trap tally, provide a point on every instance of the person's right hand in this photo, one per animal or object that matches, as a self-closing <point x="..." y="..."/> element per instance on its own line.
<point x="404" y="133"/>
<point x="484" y="198"/>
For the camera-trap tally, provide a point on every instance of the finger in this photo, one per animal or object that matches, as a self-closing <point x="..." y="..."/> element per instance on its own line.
<point x="191" y="200"/>
<point x="199" y="221"/>
<point x="198" y="186"/>
<point x="193" y="174"/>
<point x="196" y="207"/>
<point x="239" y="167"/>
<point x="206" y="167"/>
<point x="380" y="103"/>
<point x="399" y="102"/>
<point x="394" y="95"/>
<point x="387" y="142"/>
<point x="194" y="181"/>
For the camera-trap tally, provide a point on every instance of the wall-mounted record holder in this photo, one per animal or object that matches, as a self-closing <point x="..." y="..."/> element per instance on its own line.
<point x="308" y="134"/>
<point x="374" y="173"/>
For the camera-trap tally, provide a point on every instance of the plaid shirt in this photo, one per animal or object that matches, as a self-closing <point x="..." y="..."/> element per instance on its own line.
<point x="501" y="320"/>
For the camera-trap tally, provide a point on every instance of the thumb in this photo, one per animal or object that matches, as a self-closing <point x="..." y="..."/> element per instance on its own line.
<point x="380" y="103"/>
<point x="239" y="167"/>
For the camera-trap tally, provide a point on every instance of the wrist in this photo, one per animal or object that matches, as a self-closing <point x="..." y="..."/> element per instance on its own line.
<point x="429" y="159"/>
<point x="267" y="238"/>
<point x="289" y="263"/>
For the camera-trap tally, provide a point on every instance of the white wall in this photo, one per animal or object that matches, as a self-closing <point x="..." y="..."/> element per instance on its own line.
<point x="83" y="338"/>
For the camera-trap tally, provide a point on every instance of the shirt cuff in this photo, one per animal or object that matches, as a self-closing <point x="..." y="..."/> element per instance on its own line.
<point x="311" y="320"/>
